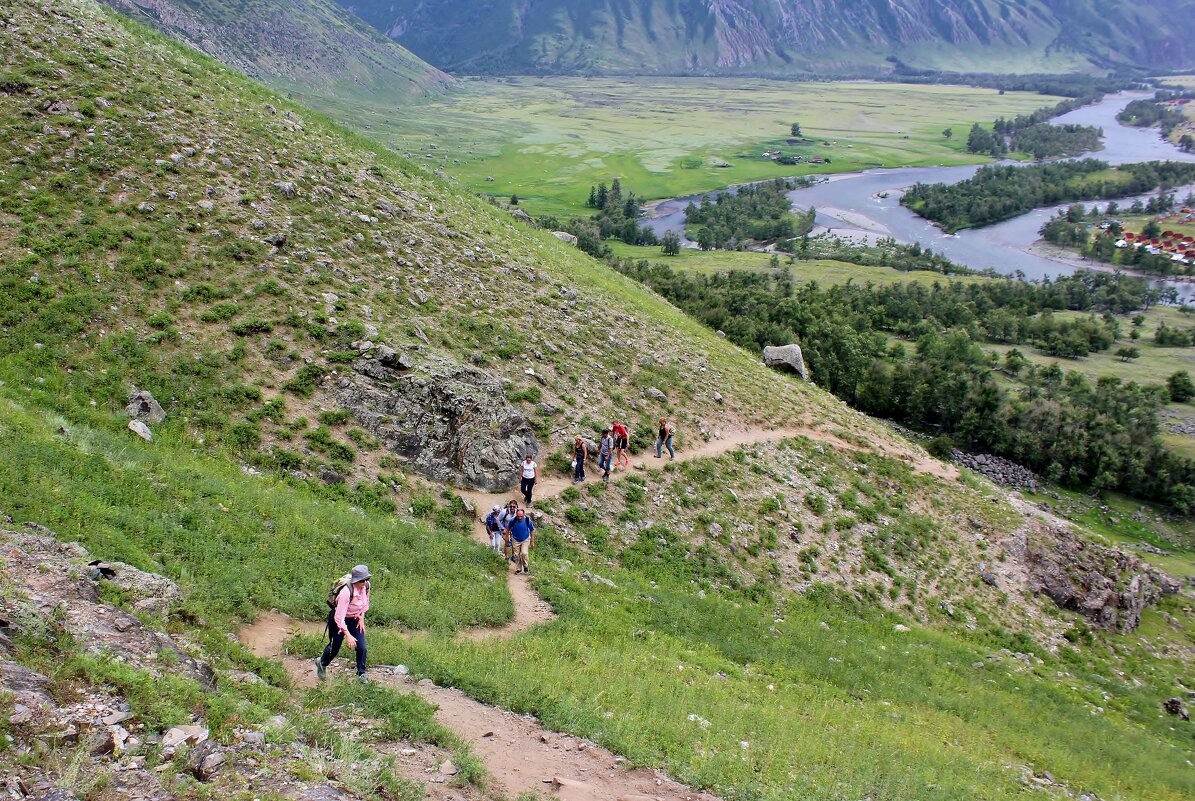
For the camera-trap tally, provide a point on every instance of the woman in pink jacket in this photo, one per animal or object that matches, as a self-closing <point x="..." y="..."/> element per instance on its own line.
<point x="346" y="622"/>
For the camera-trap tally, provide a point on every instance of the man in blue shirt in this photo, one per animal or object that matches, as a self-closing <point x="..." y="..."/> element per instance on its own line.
<point x="522" y="533"/>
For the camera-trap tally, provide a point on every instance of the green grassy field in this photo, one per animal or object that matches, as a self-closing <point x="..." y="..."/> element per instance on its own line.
<point x="824" y="271"/>
<point x="548" y="140"/>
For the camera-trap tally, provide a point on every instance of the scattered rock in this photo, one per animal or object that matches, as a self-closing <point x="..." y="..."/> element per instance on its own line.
<point x="205" y="761"/>
<point x="142" y="430"/>
<point x="565" y="237"/>
<point x="786" y="357"/>
<point x="143" y="406"/>
<point x="999" y="470"/>
<point x="287" y="189"/>
<point x="1176" y="707"/>
<point x="191" y="735"/>
<point x="448" y="768"/>
<point x="655" y="394"/>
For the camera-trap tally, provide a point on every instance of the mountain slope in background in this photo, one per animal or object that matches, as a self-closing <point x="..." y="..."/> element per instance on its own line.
<point x="787" y="37"/>
<point x="312" y="46"/>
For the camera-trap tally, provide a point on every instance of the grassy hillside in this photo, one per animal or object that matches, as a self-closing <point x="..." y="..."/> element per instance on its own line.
<point x="176" y="227"/>
<point x="311" y="47"/>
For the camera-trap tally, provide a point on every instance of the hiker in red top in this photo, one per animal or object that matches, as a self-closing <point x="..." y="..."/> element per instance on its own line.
<point x="349" y="601"/>
<point x="622" y="441"/>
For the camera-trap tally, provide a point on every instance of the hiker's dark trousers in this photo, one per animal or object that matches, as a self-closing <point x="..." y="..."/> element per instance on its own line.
<point x="354" y="626"/>
<point x="525" y="487"/>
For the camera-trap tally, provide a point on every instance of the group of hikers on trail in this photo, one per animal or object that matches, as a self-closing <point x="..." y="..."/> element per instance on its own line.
<point x="611" y="455"/>
<point x="512" y="534"/>
<point x="510" y="530"/>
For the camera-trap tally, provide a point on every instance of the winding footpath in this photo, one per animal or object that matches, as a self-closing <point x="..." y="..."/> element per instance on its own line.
<point x="520" y="755"/>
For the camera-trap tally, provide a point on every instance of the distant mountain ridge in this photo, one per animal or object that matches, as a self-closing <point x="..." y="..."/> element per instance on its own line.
<point x="315" y="46"/>
<point x="787" y="37"/>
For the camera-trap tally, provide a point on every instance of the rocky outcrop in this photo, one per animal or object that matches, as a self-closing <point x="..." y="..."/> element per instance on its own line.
<point x="449" y="422"/>
<point x="565" y="237"/>
<point x="786" y="357"/>
<point x="143" y="406"/>
<point x="58" y="582"/>
<point x="1105" y="585"/>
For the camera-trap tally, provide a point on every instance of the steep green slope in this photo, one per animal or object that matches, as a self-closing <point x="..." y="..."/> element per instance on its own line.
<point x="785" y="38"/>
<point x="167" y="224"/>
<point x="310" y="46"/>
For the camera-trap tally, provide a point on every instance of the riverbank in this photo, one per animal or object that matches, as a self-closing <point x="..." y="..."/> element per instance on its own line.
<point x="1048" y="250"/>
<point x="866" y="204"/>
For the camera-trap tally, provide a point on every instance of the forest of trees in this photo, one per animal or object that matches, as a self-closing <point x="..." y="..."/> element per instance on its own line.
<point x="1103" y="435"/>
<point x="752" y="213"/>
<point x="1040" y="140"/>
<point x="617" y="217"/>
<point x="999" y="193"/>
<point x="1033" y="134"/>
<point x="1155" y="113"/>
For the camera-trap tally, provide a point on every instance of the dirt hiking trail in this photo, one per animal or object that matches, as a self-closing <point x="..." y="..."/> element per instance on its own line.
<point x="530" y="609"/>
<point x="520" y="755"/>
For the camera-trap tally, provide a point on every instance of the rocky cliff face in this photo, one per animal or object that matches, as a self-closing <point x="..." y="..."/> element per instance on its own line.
<point x="1105" y="585"/>
<point x="785" y="37"/>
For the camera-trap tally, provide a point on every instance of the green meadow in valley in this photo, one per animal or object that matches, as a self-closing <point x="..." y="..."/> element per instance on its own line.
<point x="547" y="140"/>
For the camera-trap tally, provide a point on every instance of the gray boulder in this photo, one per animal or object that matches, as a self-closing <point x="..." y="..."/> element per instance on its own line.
<point x="143" y="406"/>
<point x="565" y="237"/>
<point x="786" y="357"/>
<point x="449" y="422"/>
<point x="142" y="430"/>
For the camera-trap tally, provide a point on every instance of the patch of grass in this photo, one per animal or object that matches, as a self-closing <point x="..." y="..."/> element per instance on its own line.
<point x="724" y="694"/>
<point x="198" y="518"/>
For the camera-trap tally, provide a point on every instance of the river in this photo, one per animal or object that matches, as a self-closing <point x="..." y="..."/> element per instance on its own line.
<point x="866" y="205"/>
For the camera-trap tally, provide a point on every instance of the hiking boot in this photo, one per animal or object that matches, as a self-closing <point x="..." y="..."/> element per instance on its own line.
<point x="363" y="679"/>
<point x="518" y="571"/>
<point x="321" y="671"/>
<point x="527" y="570"/>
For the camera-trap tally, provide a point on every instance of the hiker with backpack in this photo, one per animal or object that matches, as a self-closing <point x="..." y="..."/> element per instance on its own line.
<point x="528" y="473"/>
<point x="622" y="441"/>
<point x="605" y="454"/>
<point x="580" y="453"/>
<point x="664" y="439"/>
<point x="493" y="529"/>
<point x="521" y="532"/>
<point x="505" y="518"/>
<point x="348" y="601"/>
